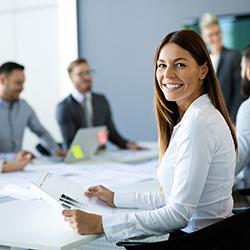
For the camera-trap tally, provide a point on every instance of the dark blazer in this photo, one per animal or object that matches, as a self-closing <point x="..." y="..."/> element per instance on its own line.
<point x="70" y="117"/>
<point x="228" y="73"/>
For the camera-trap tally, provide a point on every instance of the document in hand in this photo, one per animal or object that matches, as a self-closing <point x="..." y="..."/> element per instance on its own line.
<point x="60" y="192"/>
<point x="64" y="194"/>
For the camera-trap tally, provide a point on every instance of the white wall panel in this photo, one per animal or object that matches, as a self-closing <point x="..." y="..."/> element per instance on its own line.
<point x="7" y="47"/>
<point x="31" y="34"/>
<point x="37" y="49"/>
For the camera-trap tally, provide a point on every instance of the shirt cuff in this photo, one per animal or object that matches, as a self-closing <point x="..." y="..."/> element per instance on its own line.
<point x="114" y="225"/>
<point x="125" y="200"/>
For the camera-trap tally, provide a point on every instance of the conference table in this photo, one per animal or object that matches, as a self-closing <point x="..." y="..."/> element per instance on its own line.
<point x="31" y="223"/>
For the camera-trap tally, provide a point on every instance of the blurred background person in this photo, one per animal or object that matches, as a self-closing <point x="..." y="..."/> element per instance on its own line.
<point x="20" y="161"/>
<point x="243" y="135"/>
<point x="243" y="119"/>
<point x="16" y="114"/>
<point x="84" y="108"/>
<point x="226" y="62"/>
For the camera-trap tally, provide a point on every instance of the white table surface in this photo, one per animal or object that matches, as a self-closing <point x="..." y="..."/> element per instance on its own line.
<point x="34" y="224"/>
<point x="100" y="170"/>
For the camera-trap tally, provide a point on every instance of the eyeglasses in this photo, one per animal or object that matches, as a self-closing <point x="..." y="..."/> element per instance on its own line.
<point x="217" y="33"/>
<point x="85" y="73"/>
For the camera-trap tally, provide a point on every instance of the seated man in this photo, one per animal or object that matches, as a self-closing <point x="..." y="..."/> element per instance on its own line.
<point x="83" y="108"/>
<point x="16" y="114"/>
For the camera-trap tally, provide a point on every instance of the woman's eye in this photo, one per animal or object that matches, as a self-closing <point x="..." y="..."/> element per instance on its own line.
<point x="161" y="65"/>
<point x="180" y="65"/>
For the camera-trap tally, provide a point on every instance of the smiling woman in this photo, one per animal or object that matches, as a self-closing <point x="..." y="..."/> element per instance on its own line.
<point x="197" y="144"/>
<point x="195" y="73"/>
<point x="179" y="76"/>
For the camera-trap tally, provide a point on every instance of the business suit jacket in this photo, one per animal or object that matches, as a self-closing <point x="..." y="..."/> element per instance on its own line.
<point x="228" y="73"/>
<point x="70" y="117"/>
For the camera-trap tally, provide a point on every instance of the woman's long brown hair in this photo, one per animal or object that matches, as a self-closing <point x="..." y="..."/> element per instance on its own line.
<point x="166" y="111"/>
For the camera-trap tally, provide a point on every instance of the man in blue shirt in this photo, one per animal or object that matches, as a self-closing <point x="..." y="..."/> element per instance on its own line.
<point x="16" y="114"/>
<point x="19" y="162"/>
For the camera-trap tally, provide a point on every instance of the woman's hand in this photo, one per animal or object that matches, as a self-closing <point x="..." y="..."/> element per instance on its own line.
<point x="83" y="223"/>
<point x="102" y="193"/>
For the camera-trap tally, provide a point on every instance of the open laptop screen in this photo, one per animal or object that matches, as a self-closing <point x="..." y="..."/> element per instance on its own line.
<point x="85" y="143"/>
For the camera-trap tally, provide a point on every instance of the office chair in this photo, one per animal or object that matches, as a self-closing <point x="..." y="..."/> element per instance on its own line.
<point x="230" y="233"/>
<point x="242" y="187"/>
<point x="241" y="193"/>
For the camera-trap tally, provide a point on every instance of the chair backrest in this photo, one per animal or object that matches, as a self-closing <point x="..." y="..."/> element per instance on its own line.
<point x="230" y="233"/>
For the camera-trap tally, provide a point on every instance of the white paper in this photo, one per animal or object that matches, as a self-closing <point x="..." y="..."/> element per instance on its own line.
<point x="60" y="192"/>
<point x="84" y="174"/>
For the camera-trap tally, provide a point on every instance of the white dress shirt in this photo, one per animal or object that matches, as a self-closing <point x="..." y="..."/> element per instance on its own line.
<point x="215" y="61"/>
<point x="196" y="175"/>
<point x="243" y="137"/>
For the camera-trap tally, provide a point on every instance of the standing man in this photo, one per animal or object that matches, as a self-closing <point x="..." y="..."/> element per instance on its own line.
<point x="16" y="114"/>
<point x="84" y="108"/>
<point x="226" y="63"/>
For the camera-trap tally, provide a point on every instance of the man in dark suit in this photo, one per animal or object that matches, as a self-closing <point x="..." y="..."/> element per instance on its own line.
<point x="83" y="108"/>
<point x="228" y="73"/>
<point x="226" y="63"/>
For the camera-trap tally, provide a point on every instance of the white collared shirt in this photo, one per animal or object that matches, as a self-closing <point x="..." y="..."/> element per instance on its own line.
<point x="79" y="97"/>
<point x="215" y="61"/>
<point x="196" y="175"/>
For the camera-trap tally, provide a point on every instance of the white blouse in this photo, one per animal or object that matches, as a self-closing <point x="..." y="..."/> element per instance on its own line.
<point x="196" y="175"/>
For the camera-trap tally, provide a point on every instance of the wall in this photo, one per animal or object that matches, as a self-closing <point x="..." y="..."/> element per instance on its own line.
<point x="33" y="34"/>
<point x="119" y="39"/>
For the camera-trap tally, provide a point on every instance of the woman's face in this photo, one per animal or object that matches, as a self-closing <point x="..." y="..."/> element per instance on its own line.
<point x="179" y="76"/>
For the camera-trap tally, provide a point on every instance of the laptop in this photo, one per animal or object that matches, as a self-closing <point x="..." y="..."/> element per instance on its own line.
<point x="86" y="143"/>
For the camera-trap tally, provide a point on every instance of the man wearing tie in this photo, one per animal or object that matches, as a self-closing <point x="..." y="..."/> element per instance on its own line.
<point x="226" y="63"/>
<point x="84" y="108"/>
